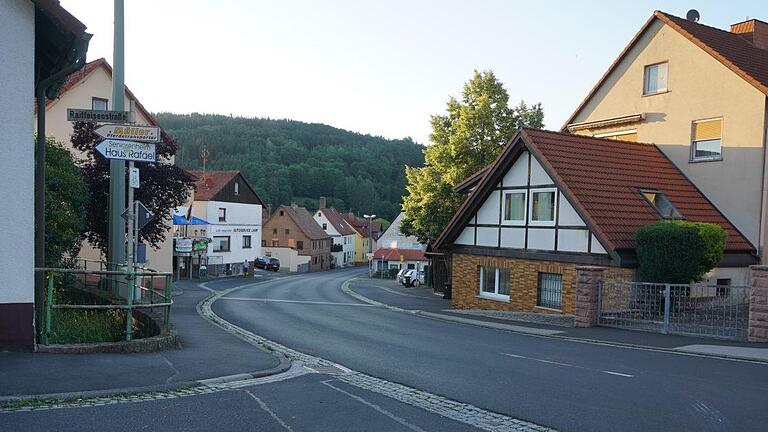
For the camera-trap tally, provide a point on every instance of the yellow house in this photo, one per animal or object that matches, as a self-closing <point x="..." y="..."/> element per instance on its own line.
<point x="699" y="94"/>
<point x="91" y="88"/>
<point x="362" y="246"/>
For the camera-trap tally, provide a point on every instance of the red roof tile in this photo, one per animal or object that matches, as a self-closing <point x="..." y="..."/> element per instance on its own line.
<point x="395" y="254"/>
<point x="303" y="220"/>
<point x="361" y="224"/>
<point x="338" y="222"/>
<point x="209" y="183"/>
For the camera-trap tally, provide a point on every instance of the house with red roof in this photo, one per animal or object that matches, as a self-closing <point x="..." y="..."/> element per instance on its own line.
<point x="700" y="95"/>
<point x="293" y="235"/>
<point x="552" y="201"/>
<point x="342" y="233"/>
<point x="396" y="258"/>
<point x="233" y="210"/>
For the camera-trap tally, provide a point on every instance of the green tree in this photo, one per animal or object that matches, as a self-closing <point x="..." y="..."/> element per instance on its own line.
<point x="466" y="138"/>
<point x="66" y="198"/>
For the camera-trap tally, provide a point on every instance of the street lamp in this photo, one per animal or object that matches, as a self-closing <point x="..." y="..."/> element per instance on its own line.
<point x="370" y="246"/>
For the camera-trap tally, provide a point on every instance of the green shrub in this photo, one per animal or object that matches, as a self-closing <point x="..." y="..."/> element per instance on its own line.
<point x="678" y="251"/>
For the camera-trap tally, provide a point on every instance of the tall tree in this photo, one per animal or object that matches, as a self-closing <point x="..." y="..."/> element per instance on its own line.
<point x="465" y="139"/>
<point x="66" y="198"/>
<point x="164" y="186"/>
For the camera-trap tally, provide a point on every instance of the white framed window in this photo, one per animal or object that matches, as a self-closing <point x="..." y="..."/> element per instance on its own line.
<point x="542" y="207"/>
<point x="706" y="143"/>
<point x="99" y="104"/>
<point x="221" y="243"/>
<point x="494" y="283"/>
<point x="514" y="207"/>
<point x="222" y="213"/>
<point x="237" y="188"/>
<point x="655" y="78"/>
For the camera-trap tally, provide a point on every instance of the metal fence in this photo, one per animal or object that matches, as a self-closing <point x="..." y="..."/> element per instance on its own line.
<point x="107" y="290"/>
<point x="720" y="311"/>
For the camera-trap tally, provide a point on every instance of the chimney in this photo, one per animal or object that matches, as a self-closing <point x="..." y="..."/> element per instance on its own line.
<point x="322" y="202"/>
<point x="754" y="31"/>
<point x="269" y="210"/>
<point x="294" y="205"/>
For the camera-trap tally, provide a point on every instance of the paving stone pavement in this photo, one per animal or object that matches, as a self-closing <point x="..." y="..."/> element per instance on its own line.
<point x="303" y="364"/>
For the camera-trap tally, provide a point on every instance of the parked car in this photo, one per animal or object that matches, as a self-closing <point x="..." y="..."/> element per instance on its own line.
<point x="413" y="277"/>
<point x="261" y="262"/>
<point x="400" y="275"/>
<point x="267" y="263"/>
<point x="273" y="264"/>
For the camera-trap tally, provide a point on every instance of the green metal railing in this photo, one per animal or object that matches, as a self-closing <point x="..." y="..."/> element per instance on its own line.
<point x="107" y="290"/>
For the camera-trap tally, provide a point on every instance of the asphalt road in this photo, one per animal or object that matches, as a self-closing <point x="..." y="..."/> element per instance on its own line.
<point x="562" y="384"/>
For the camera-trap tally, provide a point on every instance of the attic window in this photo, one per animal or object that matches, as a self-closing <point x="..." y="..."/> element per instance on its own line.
<point x="237" y="188"/>
<point x="661" y="203"/>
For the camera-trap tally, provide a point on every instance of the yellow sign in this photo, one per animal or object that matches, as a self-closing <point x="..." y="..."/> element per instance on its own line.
<point x="402" y="258"/>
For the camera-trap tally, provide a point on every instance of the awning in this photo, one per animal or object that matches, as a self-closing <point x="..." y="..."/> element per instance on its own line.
<point x="181" y="220"/>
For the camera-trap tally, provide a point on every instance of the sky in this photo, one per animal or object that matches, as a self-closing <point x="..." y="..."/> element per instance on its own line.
<point x="377" y="67"/>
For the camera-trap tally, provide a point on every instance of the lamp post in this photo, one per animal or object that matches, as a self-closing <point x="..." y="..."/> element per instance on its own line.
<point x="370" y="246"/>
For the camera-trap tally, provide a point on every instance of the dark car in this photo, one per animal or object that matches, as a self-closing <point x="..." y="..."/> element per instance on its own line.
<point x="267" y="263"/>
<point x="261" y="262"/>
<point x="273" y="264"/>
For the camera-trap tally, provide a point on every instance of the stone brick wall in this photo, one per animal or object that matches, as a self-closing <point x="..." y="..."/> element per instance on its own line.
<point x="758" y="305"/>
<point x="588" y="279"/>
<point x="523" y="281"/>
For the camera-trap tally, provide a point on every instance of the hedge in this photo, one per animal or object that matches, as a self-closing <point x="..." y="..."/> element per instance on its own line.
<point x="678" y="251"/>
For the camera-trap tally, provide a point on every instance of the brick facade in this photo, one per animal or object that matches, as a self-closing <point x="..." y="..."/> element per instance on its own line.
<point x="523" y="281"/>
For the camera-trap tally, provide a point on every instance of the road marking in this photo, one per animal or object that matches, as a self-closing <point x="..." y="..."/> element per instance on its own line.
<point x="269" y="411"/>
<point x="266" y="300"/>
<point x="618" y="374"/>
<point x="376" y="407"/>
<point x="567" y="365"/>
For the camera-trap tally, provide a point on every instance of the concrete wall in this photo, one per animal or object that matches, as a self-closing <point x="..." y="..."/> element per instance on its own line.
<point x="289" y="258"/>
<point x="17" y="256"/>
<point x="700" y="87"/>
<point x="99" y="84"/>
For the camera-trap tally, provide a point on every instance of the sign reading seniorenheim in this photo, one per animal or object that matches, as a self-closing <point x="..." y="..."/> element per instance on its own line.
<point x="127" y="150"/>
<point x="135" y="133"/>
<point x="86" y="115"/>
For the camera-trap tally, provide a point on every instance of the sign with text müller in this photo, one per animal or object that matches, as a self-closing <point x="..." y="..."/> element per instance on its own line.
<point x="134" y="133"/>
<point x="93" y="116"/>
<point x="127" y="150"/>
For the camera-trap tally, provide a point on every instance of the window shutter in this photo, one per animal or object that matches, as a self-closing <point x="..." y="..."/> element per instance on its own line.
<point x="707" y="130"/>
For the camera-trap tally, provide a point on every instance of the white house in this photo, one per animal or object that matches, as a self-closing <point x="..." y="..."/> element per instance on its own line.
<point x="343" y="235"/>
<point x="40" y="42"/>
<point x="233" y="211"/>
<point x="392" y="238"/>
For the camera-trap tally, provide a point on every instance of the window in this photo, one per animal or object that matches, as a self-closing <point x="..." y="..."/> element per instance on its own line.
<point x="237" y="188"/>
<point x="723" y="287"/>
<point x="287" y="231"/>
<point x="263" y="243"/>
<point x="543" y="207"/>
<point x="625" y="135"/>
<point x="221" y="244"/>
<point x="325" y="226"/>
<point x="281" y="212"/>
<point x="655" y="80"/>
<point x="662" y="205"/>
<point x="99" y="104"/>
<point x="514" y="207"/>
<point x="314" y="260"/>
<point x="275" y="243"/>
<point x="494" y="283"/>
<point x="246" y="242"/>
<point x="550" y="293"/>
<point x="222" y="215"/>
<point x="706" y="143"/>
<point x="300" y="245"/>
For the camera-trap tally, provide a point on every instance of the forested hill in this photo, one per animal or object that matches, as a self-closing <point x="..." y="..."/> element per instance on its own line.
<point x="290" y="161"/>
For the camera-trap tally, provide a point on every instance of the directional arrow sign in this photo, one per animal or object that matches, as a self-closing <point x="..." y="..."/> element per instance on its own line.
<point x="142" y="214"/>
<point x="135" y="133"/>
<point x="127" y="150"/>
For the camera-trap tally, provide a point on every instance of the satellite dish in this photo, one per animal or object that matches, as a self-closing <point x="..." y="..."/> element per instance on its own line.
<point x="693" y="15"/>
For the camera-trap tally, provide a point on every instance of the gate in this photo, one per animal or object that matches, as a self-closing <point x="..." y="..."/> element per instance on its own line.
<point x="720" y="311"/>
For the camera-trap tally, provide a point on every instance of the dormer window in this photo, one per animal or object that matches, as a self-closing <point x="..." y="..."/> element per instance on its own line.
<point x="661" y="204"/>
<point x="237" y="188"/>
<point x="655" y="78"/>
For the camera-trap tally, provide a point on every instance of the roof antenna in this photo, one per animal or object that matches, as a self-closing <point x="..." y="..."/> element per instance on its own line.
<point x="204" y="153"/>
<point x="693" y="15"/>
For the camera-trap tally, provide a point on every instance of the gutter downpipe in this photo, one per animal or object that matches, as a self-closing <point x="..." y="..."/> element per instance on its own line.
<point x="41" y="95"/>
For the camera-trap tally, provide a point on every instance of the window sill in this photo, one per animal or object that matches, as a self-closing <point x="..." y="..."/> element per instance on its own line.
<point x="660" y="92"/>
<point x="494" y="297"/>
<point x="702" y="160"/>
<point x="549" y="309"/>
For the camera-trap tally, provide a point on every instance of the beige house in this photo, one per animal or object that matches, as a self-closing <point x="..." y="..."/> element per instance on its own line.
<point x="91" y="88"/>
<point x="699" y="94"/>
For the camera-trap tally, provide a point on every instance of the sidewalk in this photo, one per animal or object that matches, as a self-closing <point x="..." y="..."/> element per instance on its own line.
<point x="207" y="352"/>
<point x="422" y="301"/>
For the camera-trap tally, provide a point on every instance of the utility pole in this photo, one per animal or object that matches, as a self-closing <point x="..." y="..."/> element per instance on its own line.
<point x="116" y="230"/>
<point x="370" y="217"/>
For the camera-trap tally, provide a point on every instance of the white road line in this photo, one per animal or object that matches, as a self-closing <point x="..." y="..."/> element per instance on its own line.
<point x="266" y="300"/>
<point x="567" y="365"/>
<point x="618" y="374"/>
<point x="269" y="411"/>
<point x="376" y="407"/>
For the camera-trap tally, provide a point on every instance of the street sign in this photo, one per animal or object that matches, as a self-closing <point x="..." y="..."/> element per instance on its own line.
<point x="133" y="178"/>
<point x="143" y="216"/>
<point x="134" y="133"/>
<point x="87" y="115"/>
<point x="127" y="150"/>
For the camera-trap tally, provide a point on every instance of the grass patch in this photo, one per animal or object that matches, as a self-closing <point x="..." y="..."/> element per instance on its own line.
<point x="70" y="326"/>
